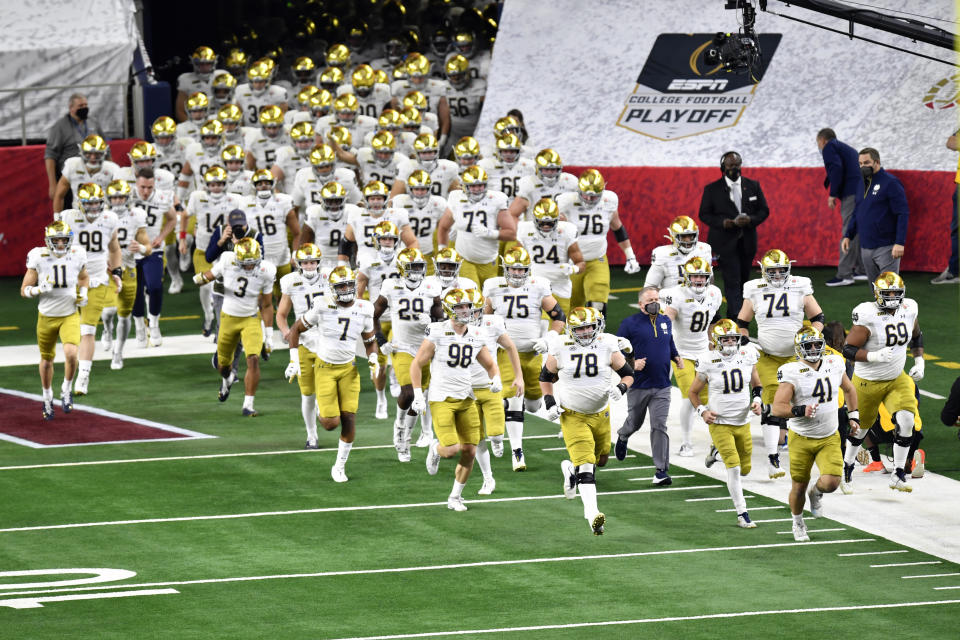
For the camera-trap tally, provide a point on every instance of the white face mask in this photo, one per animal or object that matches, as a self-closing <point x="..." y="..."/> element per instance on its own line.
<point x="264" y="194"/>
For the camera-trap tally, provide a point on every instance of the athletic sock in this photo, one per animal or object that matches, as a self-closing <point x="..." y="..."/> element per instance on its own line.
<point x="483" y="460"/>
<point x="686" y="421"/>
<point x="850" y="455"/>
<point x="900" y="455"/>
<point x="154" y="320"/>
<point x="85" y="366"/>
<point x="515" y="427"/>
<point x="248" y="402"/>
<point x="771" y="438"/>
<point x="588" y="495"/>
<point x="308" y="408"/>
<point x="343" y="452"/>
<point x="735" y="487"/>
<point x="141" y="323"/>
<point x="66" y="386"/>
<point x="426" y="421"/>
<point x="47" y="393"/>
<point x="797" y="518"/>
<point x="457" y="490"/>
<point x="123" y="330"/>
<point x="206" y="303"/>
<point x="381" y="395"/>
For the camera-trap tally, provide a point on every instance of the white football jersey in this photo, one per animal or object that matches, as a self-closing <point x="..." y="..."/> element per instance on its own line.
<point x="459" y="283"/>
<point x="290" y="162"/>
<point x="371" y="104"/>
<point x="479" y="64"/>
<point x="210" y="212"/>
<point x="519" y="306"/>
<point x="265" y="149"/>
<point x="466" y="214"/>
<point x="694" y="316"/>
<point x="584" y="372"/>
<point x="172" y="157"/>
<point x="269" y="217"/>
<point x="163" y="179"/>
<point x="201" y="158"/>
<point x="191" y="82"/>
<point x="370" y="169"/>
<point x="778" y="312"/>
<point x="405" y="305"/>
<point x="548" y="253"/>
<point x="532" y="189"/>
<point x="886" y="330"/>
<point x="506" y="178"/>
<point x="307" y="186"/>
<point x="339" y="327"/>
<point x="76" y="172"/>
<point x="242" y="288"/>
<point x="423" y="222"/>
<point x="818" y="386"/>
<point x="592" y="223"/>
<point x="441" y="177"/>
<point x="432" y="90"/>
<point x="729" y="383"/>
<point x="242" y="136"/>
<point x="378" y="273"/>
<point x="666" y="264"/>
<point x="363" y="224"/>
<point x="252" y="105"/>
<point x="238" y="183"/>
<point x="189" y="132"/>
<point x="327" y="233"/>
<point x="62" y="273"/>
<point x="358" y="128"/>
<point x="303" y="295"/>
<point x="154" y="208"/>
<point x="465" y="106"/>
<point x="451" y="373"/>
<point x="130" y="221"/>
<point x="95" y="238"/>
<point x="492" y="327"/>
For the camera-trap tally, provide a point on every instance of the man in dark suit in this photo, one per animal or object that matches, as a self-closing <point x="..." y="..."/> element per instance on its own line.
<point x="846" y="185"/>
<point x="732" y="207"/>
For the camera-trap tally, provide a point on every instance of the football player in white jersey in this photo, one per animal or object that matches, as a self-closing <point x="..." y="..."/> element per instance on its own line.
<point x="391" y="120"/>
<point x="667" y="262"/>
<point x="552" y="245"/>
<point x="548" y="181"/>
<point x="505" y="168"/>
<point x="198" y="112"/>
<point x="693" y="308"/>
<point x="96" y="231"/>
<point x="248" y="287"/>
<point x="257" y="93"/>
<point x="325" y="222"/>
<point x="464" y="94"/>
<point x="346" y="114"/>
<point x="361" y="223"/>
<point x="412" y="121"/>
<point x="238" y="179"/>
<point x="520" y="298"/>
<point x="143" y="155"/>
<point x="204" y="62"/>
<point x="780" y="302"/>
<point x="446" y="266"/>
<point x="170" y="150"/>
<point x="808" y="397"/>
<point x="134" y="241"/>
<point x="506" y="125"/>
<point x="301" y="290"/>
<point x="450" y="348"/>
<point x="200" y="156"/>
<point x="231" y="117"/>
<point x="262" y="150"/>
<point x="465" y="44"/>
<point x="418" y="67"/>
<point x="466" y="152"/>
<point x="57" y="275"/>
<point x="209" y="209"/>
<point x="443" y="173"/>
<point x="594" y="210"/>
<point x="481" y="220"/>
<point x="292" y="158"/>
<point x="730" y="372"/>
<point x="304" y="76"/>
<point x="160" y="217"/>
<point x="877" y="344"/>
<point x="309" y="183"/>
<point x="582" y="362"/>
<point x="422" y="209"/>
<point x="222" y="88"/>
<point x="411" y="302"/>
<point x="89" y="166"/>
<point x="380" y="161"/>
<point x="372" y="96"/>
<point x="341" y="320"/>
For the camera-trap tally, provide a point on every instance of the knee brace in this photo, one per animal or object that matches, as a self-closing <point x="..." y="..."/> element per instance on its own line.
<point x="599" y="306"/>
<point x="88" y="329"/>
<point x="904" y="421"/>
<point x="584" y="474"/>
<point x="513" y="416"/>
<point x="765" y="414"/>
<point x="531" y="405"/>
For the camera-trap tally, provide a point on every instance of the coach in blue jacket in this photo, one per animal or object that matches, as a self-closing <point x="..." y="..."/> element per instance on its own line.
<point x="651" y="335"/>
<point x="880" y="218"/>
<point x="846" y="185"/>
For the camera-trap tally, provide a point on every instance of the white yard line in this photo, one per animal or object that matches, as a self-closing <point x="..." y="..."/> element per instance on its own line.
<point x="774" y="520"/>
<point x="751" y="509"/>
<point x="36" y="603"/>
<point x="653" y="477"/>
<point x="442" y="567"/>
<point x="708" y="499"/>
<point x="872" y="553"/>
<point x="783" y="533"/>
<point x="645" y="468"/>
<point x="903" y="564"/>
<point x="930" y="575"/>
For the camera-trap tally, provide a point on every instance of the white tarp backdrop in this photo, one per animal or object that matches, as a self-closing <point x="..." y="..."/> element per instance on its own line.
<point x="64" y="42"/>
<point x="571" y="67"/>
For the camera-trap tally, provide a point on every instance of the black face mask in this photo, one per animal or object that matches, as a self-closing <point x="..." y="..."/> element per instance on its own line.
<point x="733" y="173"/>
<point x="82" y="113"/>
<point x="867" y="172"/>
<point x="652" y="308"/>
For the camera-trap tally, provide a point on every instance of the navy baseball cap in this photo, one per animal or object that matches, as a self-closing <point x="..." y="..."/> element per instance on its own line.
<point x="236" y="217"/>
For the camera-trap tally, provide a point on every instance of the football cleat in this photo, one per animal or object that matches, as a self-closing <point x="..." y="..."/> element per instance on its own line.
<point x="816" y="502"/>
<point x="519" y="462"/>
<point x="66" y="401"/>
<point x="496" y="446"/>
<point x="106" y="339"/>
<point x="800" y="532"/>
<point x="141" y="337"/>
<point x="662" y="479"/>
<point x="155" y="338"/>
<point x="848" y="472"/>
<point x="744" y="521"/>
<point x="898" y="481"/>
<point x="338" y="473"/>
<point x="433" y="458"/>
<point x="875" y="466"/>
<point x="381" y="412"/>
<point x="425" y="438"/>
<point x="846" y="488"/>
<point x="248" y="413"/>
<point x="773" y="466"/>
<point x="569" y="480"/>
<point x="456" y="504"/>
<point x="489" y="484"/>
<point x="712" y="457"/>
<point x="48" y="409"/>
<point x="919" y="463"/>
<point x="82" y="384"/>
<point x="265" y="352"/>
<point x="596" y="525"/>
<point x="225" y="384"/>
<point x="175" y="287"/>
<point x="686" y="451"/>
<point x="311" y="444"/>
<point x="117" y="362"/>
<point x="620" y="450"/>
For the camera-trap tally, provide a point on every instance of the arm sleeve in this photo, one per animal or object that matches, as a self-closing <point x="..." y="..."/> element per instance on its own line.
<point x="951" y="409"/>
<point x="834" y="166"/>
<point x="898" y="204"/>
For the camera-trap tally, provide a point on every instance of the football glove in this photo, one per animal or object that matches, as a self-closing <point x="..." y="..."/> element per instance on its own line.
<point x="624" y="345"/>
<point x="542" y="345"/>
<point x="631" y="266"/>
<point x="374" y="363"/>
<point x="496" y="385"/>
<point x="387" y="348"/>
<point x="485" y="232"/>
<point x="617" y="391"/>
<point x="44" y="286"/>
<point x="568" y="268"/>
<point x="82" y="299"/>
<point x="419" y="404"/>
<point x="882" y="355"/>
<point x="916" y="371"/>
<point x="553" y="413"/>
<point x="199" y="279"/>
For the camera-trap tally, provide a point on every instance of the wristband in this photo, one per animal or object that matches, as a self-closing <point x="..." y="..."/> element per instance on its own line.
<point x="701" y="409"/>
<point x="799" y="410"/>
<point x="549" y="402"/>
<point x="380" y="338"/>
<point x="295" y="355"/>
<point x="756" y="392"/>
<point x="32" y="292"/>
<point x="623" y="388"/>
<point x="628" y="252"/>
<point x="83" y="292"/>
<point x="182" y="235"/>
<point x="854" y="415"/>
<point x="178" y="207"/>
<point x="117" y="271"/>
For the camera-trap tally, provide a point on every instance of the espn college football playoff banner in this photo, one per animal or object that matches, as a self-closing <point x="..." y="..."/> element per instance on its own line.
<point x="623" y="85"/>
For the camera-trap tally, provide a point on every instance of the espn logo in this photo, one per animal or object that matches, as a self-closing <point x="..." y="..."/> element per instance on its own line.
<point x="691" y="84"/>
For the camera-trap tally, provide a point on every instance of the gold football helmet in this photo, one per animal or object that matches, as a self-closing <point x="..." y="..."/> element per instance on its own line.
<point x="119" y="194"/>
<point x="263" y="178"/>
<point x="474" y="181"/>
<point x="211" y="134"/>
<point x="215" y="177"/>
<point x="889" y="289"/>
<point x="58" y="237"/>
<point x="323" y="158"/>
<point x="197" y="106"/>
<point x="164" y="130"/>
<point x="584" y="325"/>
<point x="458" y="305"/>
<point x="467" y="152"/>
<point x="259" y="75"/>
<point x="410" y="119"/>
<point x="230" y="115"/>
<point x="338" y="55"/>
<point x="684" y="234"/>
<point x="342" y="136"/>
<point x="590" y="186"/>
<point x="725" y="337"/>
<point x="302" y="135"/>
<point x="331" y="78"/>
<point x="271" y="120"/>
<point x="204" y="60"/>
<point x="90" y="199"/>
<point x="343" y="284"/>
<point x="427" y="149"/>
<point x="546" y="216"/>
<point x="304" y="69"/>
<point x="505" y="125"/>
<point x="390" y="120"/>
<point x="386" y="237"/>
<point x="236" y="62"/>
<point x="384" y="146"/>
<point x="362" y="80"/>
<point x="233" y="157"/>
<point x="418" y="68"/>
<point x="304" y="95"/>
<point x="464" y="43"/>
<point x="447" y="264"/>
<point x="224" y="84"/>
<point x="418" y="185"/>
<point x="458" y="71"/>
<point x="307" y="258"/>
<point x="477" y="299"/>
<point x="320" y="103"/>
<point x="508" y="149"/>
<point x="375" y="194"/>
<point x="809" y="344"/>
<point x="333" y="195"/>
<point x="345" y="108"/>
<point x="399" y="72"/>
<point x="416" y="99"/>
<point x="380" y="77"/>
<point x="93" y="149"/>
<point x="516" y="266"/>
<point x="412" y="266"/>
<point x="548" y="166"/>
<point x="697" y="273"/>
<point x="775" y="267"/>
<point x="143" y="155"/>
<point x="247" y="252"/>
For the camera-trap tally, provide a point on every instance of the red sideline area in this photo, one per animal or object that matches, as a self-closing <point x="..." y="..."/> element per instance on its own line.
<point x="650" y="197"/>
<point x="22" y="419"/>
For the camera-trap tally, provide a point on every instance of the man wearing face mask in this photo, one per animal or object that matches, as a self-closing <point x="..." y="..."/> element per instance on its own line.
<point x="646" y="339"/>
<point x="733" y="207"/>
<point x="64" y="138"/>
<point x="880" y="219"/>
<point x="846" y="188"/>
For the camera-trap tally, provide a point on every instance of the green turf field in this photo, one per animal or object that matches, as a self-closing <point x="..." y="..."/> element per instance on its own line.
<point x="235" y="545"/>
